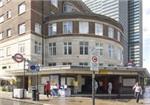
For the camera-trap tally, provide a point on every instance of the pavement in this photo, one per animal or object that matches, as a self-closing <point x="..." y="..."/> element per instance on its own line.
<point x="76" y="100"/>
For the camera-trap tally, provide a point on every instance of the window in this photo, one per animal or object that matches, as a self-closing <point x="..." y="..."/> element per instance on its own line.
<point x="68" y="7"/>
<point x="67" y="48"/>
<point x="1" y="3"/>
<point x="8" y="14"/>
<point x="67" y="27"/>
<point x="110" y="32"/>
<point x="1" y="53"/>
<point x="110" y="51"/>
<point x="37" y="28"/>
<point x="22" y="28"/>
<point x="67" y="63"/>
<point x="37" y="47"/>
<point x="21" y="48"/>
<point x="21" y="8"/>
<point x="118" y="36"/>
<point x="52" y="48"/>
<point x="98" y="29"/>
<point x="52" y="64"/>
<point x="1" y="18"/>
<point x="52" y="29"/>
<point x="8" y="32"/>
<point x="101" y="49"/>
<point x="83" y="64"/>
<point x="1" y="35"/>
<point x="8" y="51"/>
<point x="83" y="27"/>
<point x="54" y="2"/>
<point x="84" y="48"/>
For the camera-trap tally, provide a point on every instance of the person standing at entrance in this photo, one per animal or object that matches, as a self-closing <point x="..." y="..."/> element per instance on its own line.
<point x="109" y="88"/>
<point x="138" y="91"/>
<point x="47" y="88"/>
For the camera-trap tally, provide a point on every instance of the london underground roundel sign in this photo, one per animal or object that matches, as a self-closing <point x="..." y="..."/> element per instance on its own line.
<point x="18" y="57"/>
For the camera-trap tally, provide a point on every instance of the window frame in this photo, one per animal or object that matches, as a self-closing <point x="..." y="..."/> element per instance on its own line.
<point x="19" y="8"/>
<point x="19" y="28"/>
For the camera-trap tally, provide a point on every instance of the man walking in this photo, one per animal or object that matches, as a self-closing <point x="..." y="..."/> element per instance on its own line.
<point x="138" y="90"/>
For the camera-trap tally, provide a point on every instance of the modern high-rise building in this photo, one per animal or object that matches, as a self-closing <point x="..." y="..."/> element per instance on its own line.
<point x="129" y="14"/>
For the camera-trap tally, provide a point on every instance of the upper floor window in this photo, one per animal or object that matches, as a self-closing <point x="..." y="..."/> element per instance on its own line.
<point x="101" y="49"/>
<point x="52" y="48"/>
<point x="67" y="27"/>
<point x="55" y="2"/>
<point x="67" y="63"/>
<point x="21" y="48"/>
<point x="37" y="47"/>
<point x="83" y="64"/>
<point x="67" y="48"/>
<point x="52" y="64"/>
<point x="68" y="7"/>
<point x="21" y="28"/>
<point x="84" y="48"/>
<point x="8" y="51"/>
<point x="21" y="8"/>
<point x="37" y="28"/>
<point x="52" y="29"/>
<point x="1" y="35"/>
<point x="9" y="32"/>
<point x="1" y="18"/>
<point x="8" y="14"/>
<point x="110" y="32"/>
<point x="98" y="29"/>
<point x="110" y="51"/>
<point x="118" y="36"/>
<point x="1" y="3"/>
<point x="83" y="27"/>
<point x="1" y="53"/>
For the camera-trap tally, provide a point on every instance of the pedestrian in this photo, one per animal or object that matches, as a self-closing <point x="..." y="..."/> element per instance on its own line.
<point x="138" y="91"/>
<point x="47" y="88"/>
<point x="109" y="88"/>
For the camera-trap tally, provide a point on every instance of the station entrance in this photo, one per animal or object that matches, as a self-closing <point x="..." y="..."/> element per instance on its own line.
<point x="102" y="82"/>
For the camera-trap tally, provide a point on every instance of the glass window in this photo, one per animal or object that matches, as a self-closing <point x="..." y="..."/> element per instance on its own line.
<point x="37" y="28"/>
<point x="68" y="7"/>
<point x="21" y="8"/>
<point x="110" y="32"/>
<point x="1" y="53"/>
<point x="1" y="18"/>
<point x="83" y="27"/>
<point x="55" y="2"/>
<point x="101" y="49"/>
<point x="67" y="48"/>
<point x="52" y="48"/>
<point x="67" y="63"/>
<point x="52" y="29"/>
<point x="22" y="28"/>
<point x="110" y="51"/>
<point x="9" y="32"/>
<point x="67" y="27"/>
<point x="98" y="29"/>
<point x="8" y="51"/>
<point x="83" y="64"/>
<point x="1" y="35"/>
<point x="8" y="14"/>
<point x="84" y="48"/>
<point x="21" y="48"/>
<point x="52" y="64"/>
<point x="118" y="36"/>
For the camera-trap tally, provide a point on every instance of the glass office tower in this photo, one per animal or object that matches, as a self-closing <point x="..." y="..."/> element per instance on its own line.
<point x="129" y="14"/>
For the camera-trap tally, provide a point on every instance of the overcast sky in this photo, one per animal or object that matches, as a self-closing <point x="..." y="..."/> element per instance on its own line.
<point x="146" y="34"/>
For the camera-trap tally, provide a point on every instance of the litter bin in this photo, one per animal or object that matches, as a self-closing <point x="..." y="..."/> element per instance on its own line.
<point x="34" y="94"/>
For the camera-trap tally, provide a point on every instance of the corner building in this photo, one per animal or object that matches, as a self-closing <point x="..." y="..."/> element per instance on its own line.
<point x="59" y="36"/>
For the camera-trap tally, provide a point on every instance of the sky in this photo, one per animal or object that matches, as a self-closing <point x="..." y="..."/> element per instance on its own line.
<point x="146" y="34"/>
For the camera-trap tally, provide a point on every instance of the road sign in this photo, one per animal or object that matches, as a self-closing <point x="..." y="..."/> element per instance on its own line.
<point x="18" y="57"/>
<point x="94" y="63"/>
<point x="34" y="67"/>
